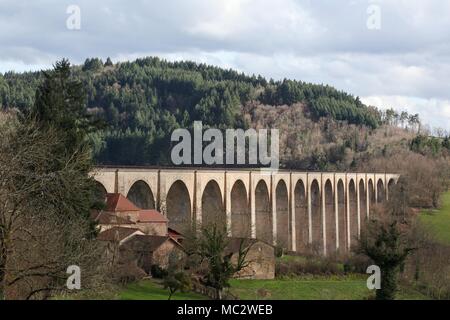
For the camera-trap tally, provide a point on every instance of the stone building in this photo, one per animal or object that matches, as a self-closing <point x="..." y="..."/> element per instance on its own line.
<point x="121" y="212"/>
<point x="151" y="222"/>
<point x="261" y="258"/>
<point x="107" y="220"/>
<point x="146" y="250"/>
<point x="138" y="239"/>
<point x="118" y="234"/>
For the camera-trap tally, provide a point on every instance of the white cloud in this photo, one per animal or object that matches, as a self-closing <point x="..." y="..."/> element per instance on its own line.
<point x="431" y="111"/>
<point x="316" y="41"/>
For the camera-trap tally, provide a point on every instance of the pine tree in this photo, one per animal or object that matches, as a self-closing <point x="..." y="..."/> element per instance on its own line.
<point x="60" y="104"/>
<point x="108" y="62"/>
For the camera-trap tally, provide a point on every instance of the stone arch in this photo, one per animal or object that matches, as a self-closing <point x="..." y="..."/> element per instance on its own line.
<point x="390" y="185"/>
<point x="141" y="195"/>
<point x="240" y="213"/>
<point x="380" y="191"/>
<point x="301" y="216"/>
<point x="263" y="213"/>
<point x="178" y="207"/>
<point x="316" y="217"/>
<point x="353" y="206"/>
<point x="371" y="192"/>
<point x="212" y="205"/>
<point x="342" y="216"/>
<point x="330" y="217"/>
<point x="362" y="203"/>
<point x="100" y="192"/>
<point x="282" y="212"/>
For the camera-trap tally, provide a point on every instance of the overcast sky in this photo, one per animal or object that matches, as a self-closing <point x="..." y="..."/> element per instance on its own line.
<point x="401" y="60"/>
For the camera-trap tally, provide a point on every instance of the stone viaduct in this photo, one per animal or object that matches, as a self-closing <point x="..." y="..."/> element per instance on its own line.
<point x="323" y="211"/>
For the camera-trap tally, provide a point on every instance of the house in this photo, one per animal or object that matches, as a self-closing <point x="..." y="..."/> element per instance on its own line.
<point x="261" y="258"/>
<point x="151" y="222"/>
<point x="106" y="220"/>
<point x="175" y="235"/>
<point x="118" y="234"/>
<point x="113" y="238"/>
<point x="131" y="247"/>
<point x="119" y="211"/>
<point x="137" y="238"/>
<point x="147" y="250"/>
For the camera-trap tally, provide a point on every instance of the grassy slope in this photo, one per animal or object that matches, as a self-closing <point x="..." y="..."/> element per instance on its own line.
<point x="321" y="288"/>
<point x="150" y="290"/>
<point x="438" y="221"/>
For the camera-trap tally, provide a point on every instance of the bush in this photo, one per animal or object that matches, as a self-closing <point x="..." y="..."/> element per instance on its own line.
<point x="158" y="272"/>
<point x="428" y="268"/>
<point x="128" y="273"/>
<point x="278" y="252"/>
<point x="356" y="264"/>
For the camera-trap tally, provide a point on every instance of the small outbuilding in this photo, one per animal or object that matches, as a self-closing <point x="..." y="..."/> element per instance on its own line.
<point x="261" y="258"/>
<point x="147" y="250"/>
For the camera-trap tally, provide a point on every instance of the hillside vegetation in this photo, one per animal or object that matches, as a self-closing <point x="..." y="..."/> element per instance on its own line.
<point x="140" y="103"/>
<point x="143" y="101"/>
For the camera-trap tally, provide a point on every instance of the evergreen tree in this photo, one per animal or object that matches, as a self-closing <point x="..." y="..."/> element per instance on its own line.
<point x="60" y="104"/>
<point x="385" y="244"/>
<point x="60" y="107"/>
<point x="108" y="62"/>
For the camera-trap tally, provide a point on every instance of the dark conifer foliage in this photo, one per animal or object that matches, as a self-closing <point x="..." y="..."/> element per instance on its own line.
<point x="143" y="101"/>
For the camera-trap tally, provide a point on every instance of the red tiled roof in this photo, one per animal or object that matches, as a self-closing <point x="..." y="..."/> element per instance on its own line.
<point x="148" y="242"/>
<point x="116" y="234"/>
<point x="116" y="202"/>
<point x="174" y="233"/>
<point x="151" y="215"/>
<point x="110" y="218"/>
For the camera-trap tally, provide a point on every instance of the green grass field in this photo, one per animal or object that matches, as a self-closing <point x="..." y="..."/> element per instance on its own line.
<point x="320" y="288"/>
<point x="438" y="221"/>
<point x="150" y="290"/>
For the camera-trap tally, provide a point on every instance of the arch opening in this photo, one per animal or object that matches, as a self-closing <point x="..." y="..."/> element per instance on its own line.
<point x="353" y="217"/>
<point x="213" y="212"/>
<point x="100" y="192"/>
<point x="391" y="185"/>
<point x="362" y="204"/>
<point x="179" y="207"/>
<point x="263" y="213"/>
<point x="282" y="211"/>
<point x="141" y="195"/>
<point x="316" y="218"/>
<point x="330" y="217"/>
<point x="342" y="217"/>
<point x="301" y="216"/>
<point x="240" y="213"/>
<point x="371" y="192"/>
<point x="381" y="196"/>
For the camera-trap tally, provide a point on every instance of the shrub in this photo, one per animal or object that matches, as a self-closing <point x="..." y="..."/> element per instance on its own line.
<point x="128" y="273"/>
<point x="158" y="272"/>
<point x="428" y="267"/>
<point x="278" y="252"/>
<point x="356" y="264"/>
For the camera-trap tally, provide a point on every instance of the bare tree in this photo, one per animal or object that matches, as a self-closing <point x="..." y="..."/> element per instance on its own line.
<point x="208" y="245"/>
<point x="42" y="232"/>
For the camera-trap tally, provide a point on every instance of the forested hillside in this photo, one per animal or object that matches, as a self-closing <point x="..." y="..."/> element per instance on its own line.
<point x="142" y="102"/>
